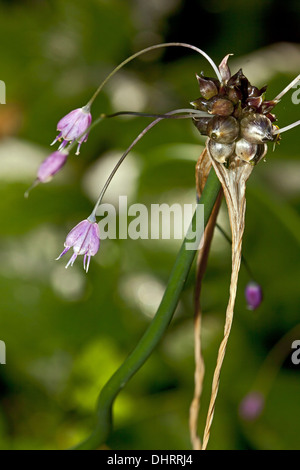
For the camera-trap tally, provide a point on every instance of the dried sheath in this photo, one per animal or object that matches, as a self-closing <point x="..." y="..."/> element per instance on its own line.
<point x="233" y="180"/>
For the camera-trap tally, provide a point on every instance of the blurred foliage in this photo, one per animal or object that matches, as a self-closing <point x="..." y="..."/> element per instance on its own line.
<point x="66" y="332"/>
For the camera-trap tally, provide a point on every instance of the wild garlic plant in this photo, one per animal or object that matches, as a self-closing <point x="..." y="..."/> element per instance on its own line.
<point x="239" y="122"/>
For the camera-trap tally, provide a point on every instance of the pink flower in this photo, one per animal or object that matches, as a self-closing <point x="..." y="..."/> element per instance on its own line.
<point x="85" y="240"/>
<point x="72" y="126"/>
<point x="51" y="165"/>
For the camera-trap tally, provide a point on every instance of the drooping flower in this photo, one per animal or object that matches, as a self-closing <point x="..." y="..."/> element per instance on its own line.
<point x="252" y="406"/>
<point x="85" y="240"/>
<point x="254" y="295"/>
<point x="72" y="126"/>
<point x="51" y="165"/>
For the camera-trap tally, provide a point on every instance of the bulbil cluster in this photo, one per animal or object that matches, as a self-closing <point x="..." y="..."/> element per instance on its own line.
<point x="239" y="121"/>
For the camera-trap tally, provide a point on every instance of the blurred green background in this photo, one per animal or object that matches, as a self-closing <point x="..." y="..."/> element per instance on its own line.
<point x="66" y="332"/>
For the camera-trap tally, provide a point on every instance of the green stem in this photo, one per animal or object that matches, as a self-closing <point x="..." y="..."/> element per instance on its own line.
<point x="155" y="330"/>
<point x="152" y="48"/>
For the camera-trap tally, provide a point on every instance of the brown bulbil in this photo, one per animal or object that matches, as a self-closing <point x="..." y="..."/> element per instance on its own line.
<point x="222" y="107"/>
<point x="220" y="152"/>
<point x="223" y="129"/>
<point x="255" y="102"/>
<point x="208" y="88"/>
<point x="245" y="150"/>
<point x="256" y="128"/>
<point x="234" y="94"/>
<point x="201" y="103"/>
<point x="201" y="124"/>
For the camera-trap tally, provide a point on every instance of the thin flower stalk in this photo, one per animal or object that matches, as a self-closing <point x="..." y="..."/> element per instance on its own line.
<point x="173" y="114"/>
<point x="149" y="49"/>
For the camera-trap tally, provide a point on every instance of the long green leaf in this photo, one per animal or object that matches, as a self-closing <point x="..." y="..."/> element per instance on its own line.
<point x="155" y="330"/>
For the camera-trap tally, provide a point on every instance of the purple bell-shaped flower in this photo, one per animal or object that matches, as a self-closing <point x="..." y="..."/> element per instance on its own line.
<point x="72" y="127"/>
<point x="85" y="240"/>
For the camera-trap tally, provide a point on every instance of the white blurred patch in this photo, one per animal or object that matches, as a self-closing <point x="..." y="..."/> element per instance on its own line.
<point x="283" y="176"/>
<point x="143" y="292"/>
<point x="61" y="44"/>
<point x="179" y="343"/>
<point x="148" y="15"/>
<point x="19" y="160"/>
<point x="260" y="66"/>
<point x="127" y="93"/>
<point x="53" y="371"/>
<point x="68" y="283"/>
<point x="30" y="256"/>
<point x="123" y="183"/>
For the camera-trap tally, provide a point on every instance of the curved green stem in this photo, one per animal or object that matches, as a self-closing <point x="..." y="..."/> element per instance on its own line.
<point x="155" y="330"/>
<point x="152" y="48"/>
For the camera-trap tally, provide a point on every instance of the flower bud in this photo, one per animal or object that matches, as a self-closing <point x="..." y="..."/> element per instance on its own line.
<point x="200" y="103"/>
<point x="224" y="69"/>
<point x="207" y="87"/>
<point x="201" y="124"/>
<point x="51" y="165"/>
<point x="220" y="106"/>
<point x="251" y="406"/>
<point x="254" y="102"/>
<point x="245" y="150"/>
<point x="256" y="128"/>
<point x="237" y="79"/>
<point x="234" y="94"/>
<point x="253" y="91"/>
<point x="223" y="129"/>
<point x="254" y="295"/>
<point x="220" y="152"/>
<point x="267" y="106"/>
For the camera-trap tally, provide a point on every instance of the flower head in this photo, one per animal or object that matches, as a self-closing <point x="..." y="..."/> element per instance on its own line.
<point x="254" y="295"/>
<point x="251" y="406"/>
<point x="72" y="126"/>
<point x="51" y="165"/>
<point x="85" y="240"/>
<point x="241" y="121"/>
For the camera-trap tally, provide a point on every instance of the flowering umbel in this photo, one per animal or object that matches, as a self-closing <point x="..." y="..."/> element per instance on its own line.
<point x="72" y="127"/>
<point x="85" y="240"/>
